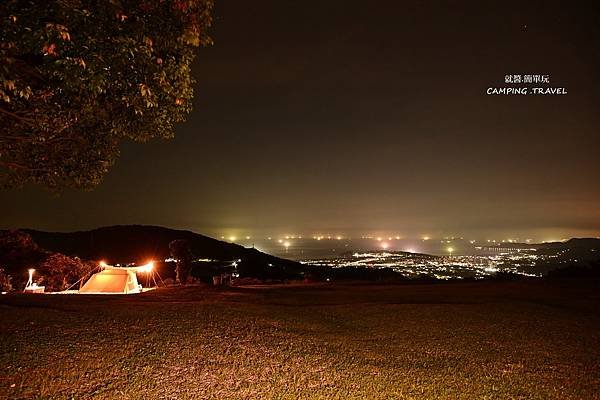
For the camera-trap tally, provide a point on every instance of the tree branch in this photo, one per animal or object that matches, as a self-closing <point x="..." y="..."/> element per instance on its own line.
<point x="18" y="117"/>
<point x="15" y="166"/>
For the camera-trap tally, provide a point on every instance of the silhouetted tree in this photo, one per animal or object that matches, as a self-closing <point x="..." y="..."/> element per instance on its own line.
<point x="18" y="252"/>
<point x="5" y="281"/>
<point x="58" y="271"/>
<point x="180" y="250"/>
<point x="77" y="77"/>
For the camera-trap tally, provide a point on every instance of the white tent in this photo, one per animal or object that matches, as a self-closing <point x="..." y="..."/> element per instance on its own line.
<point x="115" y="280"/>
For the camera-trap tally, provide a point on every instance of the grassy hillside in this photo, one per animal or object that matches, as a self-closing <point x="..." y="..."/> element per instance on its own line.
<point x="495" y="340"/>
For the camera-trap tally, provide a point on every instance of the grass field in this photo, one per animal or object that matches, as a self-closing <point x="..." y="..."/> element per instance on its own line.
<point x="487" y="340"/>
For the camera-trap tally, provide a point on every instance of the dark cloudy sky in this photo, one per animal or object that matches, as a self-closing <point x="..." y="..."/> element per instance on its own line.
<point x="344" y="116"/>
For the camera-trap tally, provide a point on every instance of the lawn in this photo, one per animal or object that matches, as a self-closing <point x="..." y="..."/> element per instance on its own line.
<point x="484" y="340"/>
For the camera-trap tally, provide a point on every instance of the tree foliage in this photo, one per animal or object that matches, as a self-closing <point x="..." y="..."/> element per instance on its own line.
<point x="5" y="281"/>
<point x="59" y="272"/>
<point x="180" y="250"/>
<point x="77" y="77"/>
<point x="18" y="251"/>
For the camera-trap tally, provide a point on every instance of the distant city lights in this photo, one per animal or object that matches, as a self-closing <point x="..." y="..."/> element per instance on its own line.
<point x="466" y="266"/>
<point x="449" y="244"/>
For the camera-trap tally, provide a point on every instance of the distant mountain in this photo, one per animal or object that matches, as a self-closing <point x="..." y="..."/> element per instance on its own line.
<point x="574" y="243"/>
<point x="138" y="243"/>
<point x="572" y="251"/>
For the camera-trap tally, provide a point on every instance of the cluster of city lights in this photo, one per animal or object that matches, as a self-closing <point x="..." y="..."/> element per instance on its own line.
<point x="440" y="267"/>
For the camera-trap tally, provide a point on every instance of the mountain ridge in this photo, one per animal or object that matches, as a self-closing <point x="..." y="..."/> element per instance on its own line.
<point x="137" y="243"/>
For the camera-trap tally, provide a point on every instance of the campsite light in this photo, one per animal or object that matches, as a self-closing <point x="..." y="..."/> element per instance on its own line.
<point x="148" y="267"/>
<point x="31" y="286"/>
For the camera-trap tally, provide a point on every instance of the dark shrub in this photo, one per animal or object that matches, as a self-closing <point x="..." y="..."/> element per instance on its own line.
<point x="59" y="272"/>
<point x="5" y="281"/>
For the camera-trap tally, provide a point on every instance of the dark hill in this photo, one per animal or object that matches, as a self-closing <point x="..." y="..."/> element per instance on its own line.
<point x="576" y="249"/>
<point x="574" y="243"/>
<point x="138" y="243"/>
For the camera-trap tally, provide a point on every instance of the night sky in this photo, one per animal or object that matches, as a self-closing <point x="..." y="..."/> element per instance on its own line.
<point x="355" y="117"/>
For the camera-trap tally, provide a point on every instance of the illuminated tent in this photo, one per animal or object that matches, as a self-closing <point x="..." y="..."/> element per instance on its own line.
<point x="115" y="280"/>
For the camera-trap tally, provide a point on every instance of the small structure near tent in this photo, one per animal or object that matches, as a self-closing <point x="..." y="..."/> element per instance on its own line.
<point x="31" y="286"/>
<point x="115" y="280"/>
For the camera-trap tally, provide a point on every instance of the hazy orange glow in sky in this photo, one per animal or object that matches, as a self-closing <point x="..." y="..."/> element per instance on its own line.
<point x="347" y="117"/>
